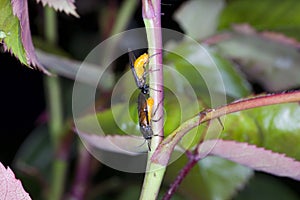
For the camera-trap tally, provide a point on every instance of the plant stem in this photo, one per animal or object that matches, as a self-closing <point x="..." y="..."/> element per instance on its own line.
<point x="152" y="20"/>
<point x="124" y="16"/>
<point x="162" y="154"/>
<point x="82" y="174"/>
<point x="193" y="160"/>
<point x="154" y="38"/>
<point x="53" y="89"/>
<point x="182" y="174"/>
<point x="54" y="108"/>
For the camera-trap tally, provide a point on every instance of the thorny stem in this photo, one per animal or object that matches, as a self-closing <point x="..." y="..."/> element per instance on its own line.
<point x="158" y="160"/>
<point x="162" y="154"/>
<point x="152" y="20"/>
<point x="193" y="158"/>
<point x="207" y="115"/>
<point x="182" y="174"/>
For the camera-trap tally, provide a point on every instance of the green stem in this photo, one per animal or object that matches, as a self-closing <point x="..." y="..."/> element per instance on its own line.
<point x="155" y="172"/>
<point x="51" y="25"/>
<point x="53" y="90"/>
<point x="124" y="16"/>
<point x="122" y="20"/>
<point x="54" y="100"/>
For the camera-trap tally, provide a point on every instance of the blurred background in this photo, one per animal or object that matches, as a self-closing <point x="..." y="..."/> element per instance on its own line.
<point x="23" y="104"/>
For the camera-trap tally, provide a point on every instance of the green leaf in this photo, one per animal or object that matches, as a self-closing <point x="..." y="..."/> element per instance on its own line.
<point x="122" y="118"/>
<point x="273" y="15"/>
<point x="181" y="96"/>
<point x="131" y="192"/>
<point x="10" y="26"/>
<point x="33" y="161"/>
<point x="267" y="14"/>
<point x="206" y="14"/>
<point x="211" y="76"/>
<point x="117" y="123"/>
<point x="272" y="64"/>
<point x="212" y="178"/>
<point x="276" y="128"/>
<point x="267" y="187"/>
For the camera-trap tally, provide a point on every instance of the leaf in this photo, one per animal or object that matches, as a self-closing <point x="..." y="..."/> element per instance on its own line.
<point x="269" y="15"/>
<point x="62" y="5"/>
<point x="276" y="128"/>
<point x="120" y="144"/>
<point x="10" y="27"/>
<point x="14" y="23"/>
<point x="207" y="180"/>
<point x="254" y="157"/>
<point x="10" y="187"/>
<point x="267" y="58"/>
<point x="36" y="151"/>
<point x="33" y="161"/>
<point x="69" y="68"/>
<point x="124" y="153"/>
<point x="211" y="76"/>
<point x="268" y="187"/>
<point x="206" y="13"/>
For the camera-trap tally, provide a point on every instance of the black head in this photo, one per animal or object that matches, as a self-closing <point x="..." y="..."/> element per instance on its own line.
<point x="145" y="89"/>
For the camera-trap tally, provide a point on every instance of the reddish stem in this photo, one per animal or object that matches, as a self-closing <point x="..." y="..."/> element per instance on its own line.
<point x="162" y="154"/>
<point x="193" y="160"/>
<point x="80" y="184"/>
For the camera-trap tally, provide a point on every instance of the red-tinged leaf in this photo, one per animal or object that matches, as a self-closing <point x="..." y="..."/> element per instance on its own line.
<point x="61" y="5"/>
<point x="120" y="144"/>
<point x="12" y="42"/>
<point x="270" y="59"/>
<point x="124" y="153"/>
<point x="207" y="179"/>
<point x="69" y="68"/>
<point x="10" y="187"/>
<point x="275" y="36"/>
<point x="254" y="157"/>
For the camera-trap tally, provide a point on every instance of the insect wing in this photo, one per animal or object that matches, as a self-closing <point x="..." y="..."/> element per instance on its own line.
<point x="143" y="110"/>
<point x="144" y="120"/>
<point x="132" y="59"/>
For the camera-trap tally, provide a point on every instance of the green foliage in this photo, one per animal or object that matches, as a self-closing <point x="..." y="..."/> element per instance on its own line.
<point x="265" y="15"/>
<point x="269" y="62"/>
<point x="267" y="187"/>
<point x="206" y="13"/>
<point x="204" y="75"/>
<point x="279" y="128"/>
<point x="33" y="161"/>
<point x="209" y="74"/>
<point x="212" y="178"/>
<point x="273" y="127"/>
<point x="10" y="26"/>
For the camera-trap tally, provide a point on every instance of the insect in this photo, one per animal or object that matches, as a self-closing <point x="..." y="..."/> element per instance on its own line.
<point x="138" y="68"/>
<point x="145" y="106"/>
<point x="145" y="103"/>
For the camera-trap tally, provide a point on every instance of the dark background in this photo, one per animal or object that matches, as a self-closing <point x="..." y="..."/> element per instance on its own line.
<point x="22" y="89"/>
<point x="22" y="101"/>
<point x="23" y="98"/>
